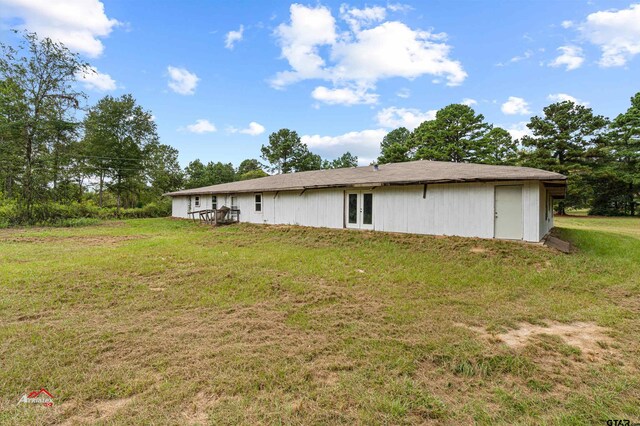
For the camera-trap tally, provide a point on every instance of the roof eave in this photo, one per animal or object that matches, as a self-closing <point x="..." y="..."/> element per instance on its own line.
<point x="195" y="191"/>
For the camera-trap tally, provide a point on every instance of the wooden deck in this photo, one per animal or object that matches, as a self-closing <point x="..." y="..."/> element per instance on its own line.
<point x="223" y="216"/>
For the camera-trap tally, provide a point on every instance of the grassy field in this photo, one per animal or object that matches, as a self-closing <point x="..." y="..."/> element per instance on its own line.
<point x="159" y="321"/>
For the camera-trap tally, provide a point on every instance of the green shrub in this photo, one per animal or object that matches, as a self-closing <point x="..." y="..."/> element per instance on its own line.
<point x="8" y="213"/>
<point x="73" y="223"/>
<point x="75" y="214"/>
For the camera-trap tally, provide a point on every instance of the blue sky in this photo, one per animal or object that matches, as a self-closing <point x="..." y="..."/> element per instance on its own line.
<point x="220" y="76"/>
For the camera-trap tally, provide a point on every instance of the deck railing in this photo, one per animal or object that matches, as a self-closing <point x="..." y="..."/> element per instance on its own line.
<point x="222" y="216"/>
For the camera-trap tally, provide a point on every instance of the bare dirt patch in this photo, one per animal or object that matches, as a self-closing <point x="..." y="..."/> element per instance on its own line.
<point x="89" y="240"/>
<point x="478" y="250"/>
<point x="582" y="335"/>
<point x="591" y="339"/>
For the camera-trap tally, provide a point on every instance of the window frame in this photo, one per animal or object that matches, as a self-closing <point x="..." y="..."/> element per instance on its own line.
<point x="196" y="201"/>
<point x="214" y="202"/>
<point x="257" y="205"/>
<point x="234" y="206"/>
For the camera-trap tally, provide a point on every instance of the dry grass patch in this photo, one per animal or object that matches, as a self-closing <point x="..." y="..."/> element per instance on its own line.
<point x="183" y="324"/>
<point x="97" y="412"/>
<point x="625" y="297"/>
<point x="196" y="412"/>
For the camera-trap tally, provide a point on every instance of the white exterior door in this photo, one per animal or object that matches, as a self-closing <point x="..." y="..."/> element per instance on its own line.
<point x="359" y="209"/>
<point x="508" y="223"/>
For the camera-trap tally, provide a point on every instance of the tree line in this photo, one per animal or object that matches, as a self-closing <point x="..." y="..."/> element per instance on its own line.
<point x="54" y="150"/>
<point x="285" y="153"/>
<point x="601" y="157"/>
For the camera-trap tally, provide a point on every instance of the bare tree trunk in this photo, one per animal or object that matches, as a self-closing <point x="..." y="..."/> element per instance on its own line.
<point x="81" y="186"/>
<point x="101" y="185"/>
<point x="118" y="197"/>
<point x="55" y="177"/>
<point x="9" y="186"/>
<point x="26" y="189"/>
<point x="561" y="208"/>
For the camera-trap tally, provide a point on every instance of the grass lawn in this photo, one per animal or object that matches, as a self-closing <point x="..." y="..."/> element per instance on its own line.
<point x="162" y="321"/>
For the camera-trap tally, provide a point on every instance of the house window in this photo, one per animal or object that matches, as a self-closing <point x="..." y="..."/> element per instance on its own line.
<point x="197" y="202"/>
<point x="214" y="202"/>
<point x="234" y="202"/>
<point x="258" y="199"/>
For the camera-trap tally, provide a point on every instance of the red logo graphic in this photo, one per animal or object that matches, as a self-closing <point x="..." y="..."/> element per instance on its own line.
<point x="41" y="396"/>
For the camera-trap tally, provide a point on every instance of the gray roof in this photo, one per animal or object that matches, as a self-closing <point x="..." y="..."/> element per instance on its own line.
<point x="414" y="172"/>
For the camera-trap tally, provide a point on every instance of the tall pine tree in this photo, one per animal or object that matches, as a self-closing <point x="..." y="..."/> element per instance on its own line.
<point x="561" y="142"/>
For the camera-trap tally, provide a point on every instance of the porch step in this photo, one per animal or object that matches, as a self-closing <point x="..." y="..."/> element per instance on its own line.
<point x="558" y="244"/>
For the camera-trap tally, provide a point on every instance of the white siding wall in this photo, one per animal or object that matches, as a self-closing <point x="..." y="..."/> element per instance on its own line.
<point x="465" y="209"/>
<point x="180" y="206"/>
<point x="530" y="210"/>
<point x="313" y="208"/>
<point x="448" y="209"/>
<point x="545" y="211"/>
<point x="319" y="208"/>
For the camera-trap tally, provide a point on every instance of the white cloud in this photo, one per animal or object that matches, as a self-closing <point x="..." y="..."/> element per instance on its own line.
<point x="365" y="161"/>
<point x="316" y="47"/>
<point x="233" y="37"/>
<point x="561" y="97"/>
<point x="567" y="24"/>
<point x="182" y="81"/>
<point x="616" y="32"/>
<point x="571" y="57"/>
<point x="515" y="105"/>
<point x="410" y="118"/>
<point x="526" y="55"/>
<point x="344" y="96"/>
<point x="299" y="41"/>
<point x="359" y="18"/>
<point x="392" y="49"/>
<point x="365" y="144"/>
<point x="201" y="126"/>
<point x="78" y="24"/>
<point x="469" y="101"/>
<point x="519" y="130"/>
<point x="399" y="7"/>
<point x="403" y="93"/>
<point x="95" y="80"/>
<point x="254" y="129"/>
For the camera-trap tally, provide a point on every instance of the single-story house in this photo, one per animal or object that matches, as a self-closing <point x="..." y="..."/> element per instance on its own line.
<point x="421" y="197"/>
